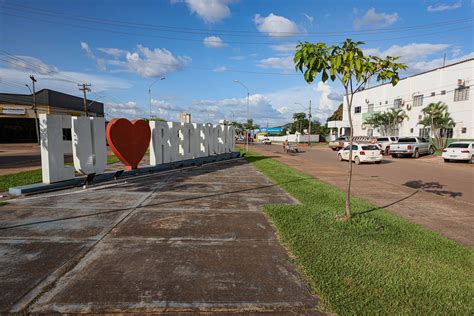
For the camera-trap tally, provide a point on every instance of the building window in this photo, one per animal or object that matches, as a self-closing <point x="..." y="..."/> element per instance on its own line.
<point x="380" y="103"/>
<point x="433" y="94"/>
<point x="424" y="132"/>
<point x="464" y="130"/>
<point x="418" y="100"/>
<point x="397" y="103"/>
<point x="411" y="130"/>
<point x="357" y="109"/>
<point x="386" y="102"/>
<point x="67" y="134"/>
<point x="370" y="108"/>
<point x="461" y="94"/>
<point x="443" y="92"/>
<point x="446" y="132"/>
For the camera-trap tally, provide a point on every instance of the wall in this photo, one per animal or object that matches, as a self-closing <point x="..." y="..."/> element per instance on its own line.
<point x="383" y="96"/>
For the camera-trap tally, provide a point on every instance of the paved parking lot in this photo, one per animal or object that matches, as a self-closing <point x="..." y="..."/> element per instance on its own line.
<point x="188" y="241"/>
<point x="427" y="191"/>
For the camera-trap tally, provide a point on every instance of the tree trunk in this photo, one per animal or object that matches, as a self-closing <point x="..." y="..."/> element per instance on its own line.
<point x="348" y="213"/>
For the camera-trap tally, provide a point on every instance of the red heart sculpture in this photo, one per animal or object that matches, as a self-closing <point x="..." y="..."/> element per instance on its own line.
<point x="128" y="140"/>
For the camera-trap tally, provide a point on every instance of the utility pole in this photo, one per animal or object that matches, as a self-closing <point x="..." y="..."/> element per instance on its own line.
<point x="35" y="109"/>
<point x="85" y="88"/>
<point x="309" y="123"/>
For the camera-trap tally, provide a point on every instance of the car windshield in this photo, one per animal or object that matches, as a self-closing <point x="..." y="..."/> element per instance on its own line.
<point x="354" y="147"/>
<point x="407" y="140"/>
<point x="382" y="139"/>
<point x="370" y="147"/>
<point x="458" y="145"/>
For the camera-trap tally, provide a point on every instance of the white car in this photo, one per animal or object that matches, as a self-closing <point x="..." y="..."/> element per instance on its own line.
<point x="361" y="153"/>
<point x="385" y="142"/>
<point x="459" y="151"/>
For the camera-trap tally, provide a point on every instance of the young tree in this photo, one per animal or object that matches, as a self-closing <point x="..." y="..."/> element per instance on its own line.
<point x="347" y="64"/>
<point x="437" y="117"/>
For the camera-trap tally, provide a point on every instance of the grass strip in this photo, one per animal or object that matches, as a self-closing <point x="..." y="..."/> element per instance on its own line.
<point x="32" y="176"/>
<point x="378" y="263"/>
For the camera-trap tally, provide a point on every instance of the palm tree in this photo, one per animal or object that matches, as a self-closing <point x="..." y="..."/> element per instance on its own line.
<point x="437" y="117"/>
<point x="395" y="117"/>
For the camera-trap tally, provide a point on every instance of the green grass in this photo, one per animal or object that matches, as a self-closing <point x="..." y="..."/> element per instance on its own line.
<point x="378" y="263"/>
<point x="33" y="176"/>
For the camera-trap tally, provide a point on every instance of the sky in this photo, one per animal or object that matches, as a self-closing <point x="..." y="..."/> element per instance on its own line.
<point x="202" y="47"/>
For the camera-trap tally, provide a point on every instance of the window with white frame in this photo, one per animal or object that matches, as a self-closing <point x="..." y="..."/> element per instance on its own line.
<point x="461" y="94"/>
<point x="424" y="132"/>
<point x="397" y="103"/>
<point x="370" y="108"/>
<point x="418" y="100"/>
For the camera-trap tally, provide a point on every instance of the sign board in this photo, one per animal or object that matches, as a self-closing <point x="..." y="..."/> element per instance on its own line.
<point x="14" y="111"/>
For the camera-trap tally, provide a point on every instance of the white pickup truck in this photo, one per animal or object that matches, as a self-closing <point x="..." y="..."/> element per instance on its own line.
<point x="411" y="146"/>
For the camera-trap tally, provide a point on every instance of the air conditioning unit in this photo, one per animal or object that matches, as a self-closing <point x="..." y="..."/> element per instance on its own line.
<point x="367" y="101"/>
<point x="461" y="82"/>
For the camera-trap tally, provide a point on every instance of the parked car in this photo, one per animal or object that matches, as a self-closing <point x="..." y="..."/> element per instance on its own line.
<point x="338" y="143"/>
<point x="385" y="141"/>
<point x="411" y="146"/>
<point x="361" y="153"/>
<point x="266" y="141"/>
<point x="459" y="151"/>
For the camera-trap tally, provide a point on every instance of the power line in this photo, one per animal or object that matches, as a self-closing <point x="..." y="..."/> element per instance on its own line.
<point x="174" y="29"/>
<point x="230" y="42"/>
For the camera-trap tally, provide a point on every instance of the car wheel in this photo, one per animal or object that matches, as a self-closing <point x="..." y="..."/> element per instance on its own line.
<point x="378" y="162"/>
<point x="357" y="160"/>
<point x="339" y="156"/>
<point x="472" y="159"/>
<point x="447" y="160"/>
<point x="416" y="154"/>
<point x="334" y="149"/>
<point x="386" y="151"/>
<point x="432" y="150"/>
<point x="394" y="155"/>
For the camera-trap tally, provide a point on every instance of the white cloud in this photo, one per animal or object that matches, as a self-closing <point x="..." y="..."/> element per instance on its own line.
<point x="210" y="11"/>
<point x="51" y="77"/>
<point x="285" y="63"/>
<point x="214" y="42"/>
<point x="115" y="52"/>
<point x="372" y="18"/>
<point x="410" y="52"/>
<point x="425" y="65"/>
<point x="417" y="55"/>
<point x="284" y="48"/>
<point x="275" y="25"/>
<point x="220" y="69"/>
<point x="128" y="110"/>
<point x="309" y="18"/>
<point x="260" y="109"/>
<point x="335" y="96"/>
<point x="143" y="61"/>
<point x="444" y="7"/>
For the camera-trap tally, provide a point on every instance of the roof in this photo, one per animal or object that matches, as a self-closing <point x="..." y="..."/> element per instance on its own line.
<point x="54" y="99"/>
<point x="421" y="73"/>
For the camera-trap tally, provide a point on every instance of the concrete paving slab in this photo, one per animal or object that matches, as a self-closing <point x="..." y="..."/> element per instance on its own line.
<point x="175" y="225"/>
<point x="198" y="276"/>
<point x="24" y="264"/>
<point x="34" y="223"/>
<point x="185" y="242"/>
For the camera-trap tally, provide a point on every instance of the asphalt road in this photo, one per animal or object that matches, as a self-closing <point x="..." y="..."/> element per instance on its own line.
<point x="429" y="173"/>
<point x="426" y="191"/>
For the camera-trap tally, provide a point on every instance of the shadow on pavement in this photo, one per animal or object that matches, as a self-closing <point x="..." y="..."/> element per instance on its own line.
<point x="431" y="187"/>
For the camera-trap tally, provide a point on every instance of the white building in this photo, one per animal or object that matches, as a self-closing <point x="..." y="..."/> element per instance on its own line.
<point x="450" y="84"/>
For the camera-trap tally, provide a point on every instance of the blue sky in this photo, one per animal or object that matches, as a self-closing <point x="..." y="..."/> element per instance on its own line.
<point x="202" y="46"/>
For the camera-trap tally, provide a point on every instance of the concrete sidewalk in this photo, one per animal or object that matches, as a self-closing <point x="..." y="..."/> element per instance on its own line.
<point x="190" y="241"/>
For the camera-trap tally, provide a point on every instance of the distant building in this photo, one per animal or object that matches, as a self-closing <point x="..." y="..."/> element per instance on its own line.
<point x="450" y="84"/>
<point x="184" y="117"/>
<point x="17" y="124"/>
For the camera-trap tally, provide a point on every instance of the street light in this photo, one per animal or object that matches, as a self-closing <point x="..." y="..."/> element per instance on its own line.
<point x="309" y="120"/>
<point x="248" y="115"/>
<point x="149" y="90"/>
